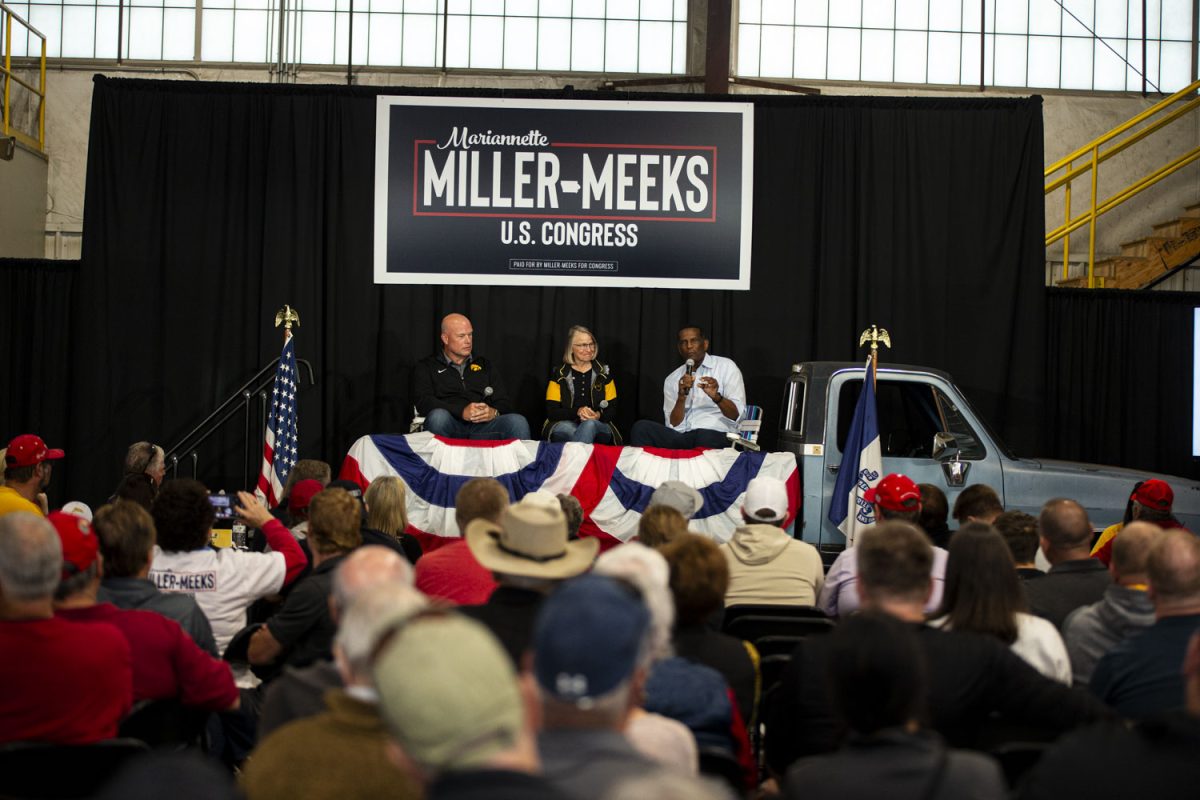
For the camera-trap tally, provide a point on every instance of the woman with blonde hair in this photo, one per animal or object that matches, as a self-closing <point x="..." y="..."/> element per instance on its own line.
<point x="581" y="397"/>
<point x="386" y="500"/>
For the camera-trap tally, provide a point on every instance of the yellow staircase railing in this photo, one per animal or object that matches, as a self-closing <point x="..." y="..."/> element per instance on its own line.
<point x="1061" y="173"/>
<point x="7" y="17"/>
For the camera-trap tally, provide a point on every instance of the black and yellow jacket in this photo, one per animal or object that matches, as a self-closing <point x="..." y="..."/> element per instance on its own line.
<point x="561" y="390"/>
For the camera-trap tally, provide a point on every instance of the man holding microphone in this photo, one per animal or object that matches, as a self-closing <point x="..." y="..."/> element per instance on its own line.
<point x="702" y="400"/>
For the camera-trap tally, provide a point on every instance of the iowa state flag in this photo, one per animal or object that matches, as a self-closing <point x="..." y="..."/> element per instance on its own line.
<point x="861" y="469"/>
<point x="613" y="484"/>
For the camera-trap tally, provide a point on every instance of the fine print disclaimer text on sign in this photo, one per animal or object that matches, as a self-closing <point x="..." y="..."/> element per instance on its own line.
<point x="534" y="265"/>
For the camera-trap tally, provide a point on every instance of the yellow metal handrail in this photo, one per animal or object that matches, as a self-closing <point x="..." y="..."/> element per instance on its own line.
<point x="1096" y="154"/>
<point x="7" y="16"/>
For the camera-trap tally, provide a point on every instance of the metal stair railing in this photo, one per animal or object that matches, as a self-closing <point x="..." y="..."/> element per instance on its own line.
<point x="38" y="142"/>
<point x="258" y="387"/>
<point x="1096" y="153"/>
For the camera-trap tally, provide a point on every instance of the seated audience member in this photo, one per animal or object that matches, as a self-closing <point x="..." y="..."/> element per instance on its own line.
<point x="573" y="511"/>
<point x="28" y="464"/>
<point x="977" y="503"/>
<point x="895" y="498"/>
<point x="141" y="474"/>
<point x="224" y="582"/>
<point x="660" y="525"/>
<point x="983" y="595"/>
<point x="458" y="718"/>
<point x="79" y="509"/>
<point x="766" y="565"/>
<point x="341" y="752"/>
<point x="1151" y="501"/>
<point x="1140" y="676"/>
<point x="299" y="499"/>
<point x="1154" y="758"/>
<point x="1020" y="532"/>
<point x="1074" y="579"/>
<point x="304" y="469"/>
<point x="665" y="740"/>
<point x="450" y="572"/>
<point x="679" y="496"/>
<point x="127" y="537"/>
<point x="591" y="649"/>
<point x="699" y="582"/>
<point x="970" y="676"/>
<point x="529" y="556"/>
<point x="385" y="500"/>
<point x="934" y="511"/>
<point x="301" y="632"/>
<point x="879" y="683"/>
<point x="167" y="664"/>
<point x="299" y="691"/>
<point x="60" y="681"/>
<point x="1126" y="608"/>
<point x="670" y="786"/>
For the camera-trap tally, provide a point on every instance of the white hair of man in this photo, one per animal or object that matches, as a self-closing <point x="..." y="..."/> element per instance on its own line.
<point x="365" y="567"/>
<point x="372" y="612"/>
<point x="649" y="573"/>
<point x="30" y="557"/>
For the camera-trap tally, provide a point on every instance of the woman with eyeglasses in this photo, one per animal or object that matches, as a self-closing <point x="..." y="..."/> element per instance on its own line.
<point x="581" y="397"/>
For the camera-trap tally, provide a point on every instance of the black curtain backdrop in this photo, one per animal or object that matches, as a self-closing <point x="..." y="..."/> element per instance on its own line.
<point x="1119" y="366"/>
<point x="36" y="331"/>
<point x="209" y="206"/>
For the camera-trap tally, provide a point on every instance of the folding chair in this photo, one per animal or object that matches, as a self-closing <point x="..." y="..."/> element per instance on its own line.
<point x="41" y="771"/>
<point x="748" y="425"/>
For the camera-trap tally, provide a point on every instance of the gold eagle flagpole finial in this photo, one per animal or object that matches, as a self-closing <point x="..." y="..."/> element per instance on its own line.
<point x="875" y="336"/>
<point x="287" y="316"/>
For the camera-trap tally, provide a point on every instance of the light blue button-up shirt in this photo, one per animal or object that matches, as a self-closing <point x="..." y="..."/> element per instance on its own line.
<point x="700" y="412"/>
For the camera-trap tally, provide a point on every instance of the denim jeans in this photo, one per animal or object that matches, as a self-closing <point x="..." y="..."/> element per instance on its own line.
<point x="588" y="431"/>
<point x="505" y="426"/>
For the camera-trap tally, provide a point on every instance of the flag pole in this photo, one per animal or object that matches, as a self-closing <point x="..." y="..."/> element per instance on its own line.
<point x="281" y="434"/>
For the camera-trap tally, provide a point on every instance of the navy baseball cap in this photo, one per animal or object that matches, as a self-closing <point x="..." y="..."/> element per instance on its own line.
<point x="588" y="637"/>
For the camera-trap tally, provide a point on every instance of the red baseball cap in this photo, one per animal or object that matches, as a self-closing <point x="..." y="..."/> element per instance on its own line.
<point x="80" y="545"/>
<point x="303" y="493"/>
<point x="1154" y="494"/>
<point x="29" y="449"/>
<point x="895" y="492"/>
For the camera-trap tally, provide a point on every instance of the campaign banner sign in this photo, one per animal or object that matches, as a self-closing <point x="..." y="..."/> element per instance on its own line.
<point x="563" y="192"/>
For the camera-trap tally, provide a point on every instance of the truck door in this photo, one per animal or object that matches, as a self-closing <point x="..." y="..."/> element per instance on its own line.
<point x="911" y="409"/>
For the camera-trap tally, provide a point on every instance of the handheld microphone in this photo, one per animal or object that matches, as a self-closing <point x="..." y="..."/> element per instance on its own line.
<point x="689" y="368"/>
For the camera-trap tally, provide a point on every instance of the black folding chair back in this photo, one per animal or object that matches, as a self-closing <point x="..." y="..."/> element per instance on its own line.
<point x="743" y="609"/>
<point x="165" y="723"/>
<point x="719" y="763"/>
<point x="40" y="771"/>
<point x="753" y="627"/>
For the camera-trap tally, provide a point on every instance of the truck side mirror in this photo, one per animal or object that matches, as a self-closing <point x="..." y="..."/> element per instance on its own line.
<point x="945" y="446"/>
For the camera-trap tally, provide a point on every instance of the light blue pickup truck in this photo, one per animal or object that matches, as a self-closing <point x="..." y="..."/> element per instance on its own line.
<point x="929" y="432"/>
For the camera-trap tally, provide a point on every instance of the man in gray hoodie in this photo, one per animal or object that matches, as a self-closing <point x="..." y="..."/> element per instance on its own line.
<point x="1093" y="630"/>
<point x="766" y="565"/>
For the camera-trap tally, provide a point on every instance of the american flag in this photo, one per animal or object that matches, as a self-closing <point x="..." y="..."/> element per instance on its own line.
<point x="280" y="447"/>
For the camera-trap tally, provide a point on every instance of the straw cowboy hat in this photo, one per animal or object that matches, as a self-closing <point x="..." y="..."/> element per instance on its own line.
<point x="531" y="541"/>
